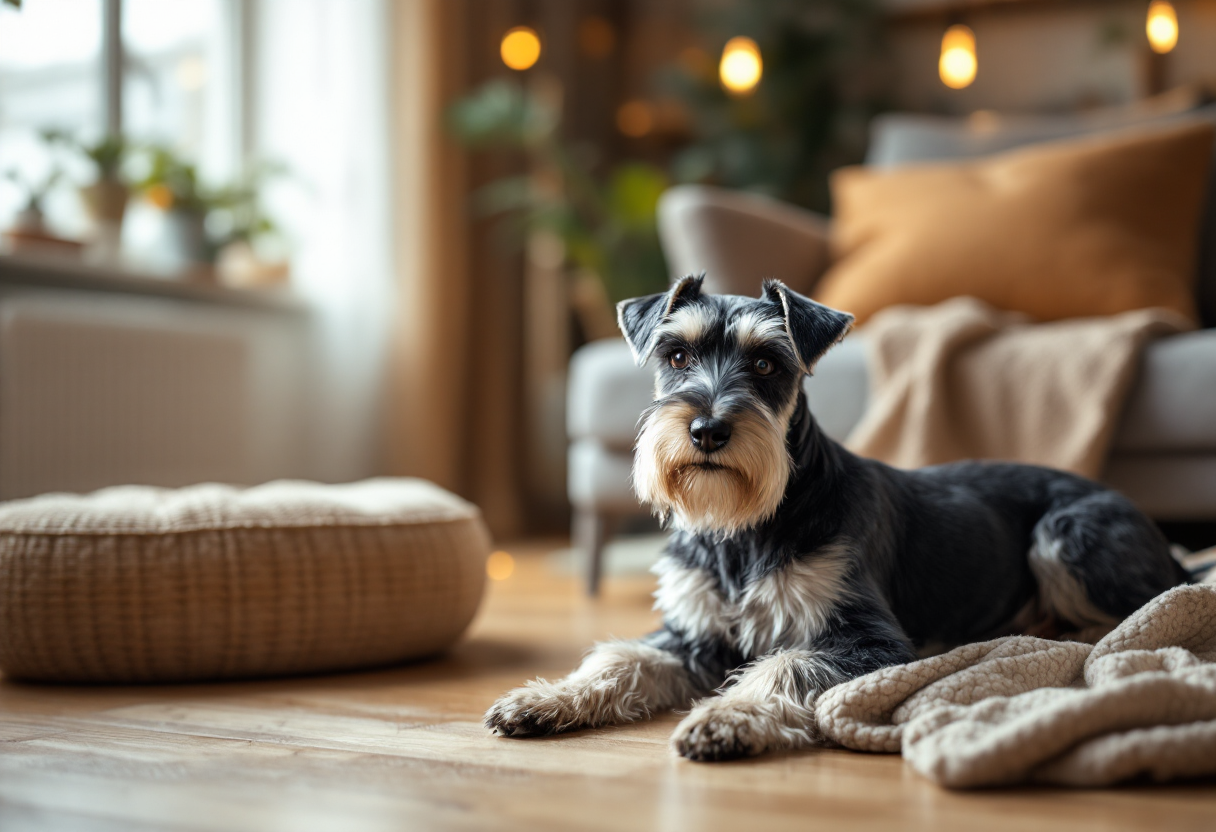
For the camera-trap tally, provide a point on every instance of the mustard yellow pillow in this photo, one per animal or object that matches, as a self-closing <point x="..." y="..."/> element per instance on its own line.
<point x="1067" y="229"/>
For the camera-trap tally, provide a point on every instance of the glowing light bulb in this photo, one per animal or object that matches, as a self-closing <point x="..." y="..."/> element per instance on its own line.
<point x="958" y="64"/>
<point x="1161" y="26"/>
<point x="499" y="566"/>
<point x="741" y="66"/>
<point x="520" y="48"/>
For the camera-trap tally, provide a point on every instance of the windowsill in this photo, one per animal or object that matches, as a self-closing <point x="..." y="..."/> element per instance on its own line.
<point x="70" y="273"/>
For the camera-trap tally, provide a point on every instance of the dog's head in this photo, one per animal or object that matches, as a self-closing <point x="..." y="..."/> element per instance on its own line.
<point x="712" y="453"/>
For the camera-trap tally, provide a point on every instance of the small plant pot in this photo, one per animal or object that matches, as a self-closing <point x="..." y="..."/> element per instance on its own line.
<point x="185" y="238"/>
<point x="105" y="202"/>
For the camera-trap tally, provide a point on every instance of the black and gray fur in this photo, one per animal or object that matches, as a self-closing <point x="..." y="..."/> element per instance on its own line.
<point x="853" y="566"/>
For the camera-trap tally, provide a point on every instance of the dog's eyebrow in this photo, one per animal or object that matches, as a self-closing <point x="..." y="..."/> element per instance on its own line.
<point x="688" y="323"/>
<point x="753" y="329"/>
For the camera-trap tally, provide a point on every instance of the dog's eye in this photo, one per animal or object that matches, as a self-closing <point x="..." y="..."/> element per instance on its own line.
<point x="679" y="359"/>
<point x="763" y="366"/>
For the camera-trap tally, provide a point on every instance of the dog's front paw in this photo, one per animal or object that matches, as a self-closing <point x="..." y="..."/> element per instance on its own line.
<point x="533" y="711"/>
<point x="723" y="730"/>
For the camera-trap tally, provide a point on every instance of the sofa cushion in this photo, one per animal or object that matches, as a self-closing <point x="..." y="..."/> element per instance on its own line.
<point x="1171" y="408"/>
<point x="1091" y="226"/>
<point x="838" y="392"/>
<point x="1166" y="486"/>
<point x="599" y="477"/>
<point x="141" y="584"/>
<point x="900" y="138"/>
<point x="606" y="394"/>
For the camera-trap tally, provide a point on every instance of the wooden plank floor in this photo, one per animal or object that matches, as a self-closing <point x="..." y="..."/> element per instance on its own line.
<point x="403" y="748"/>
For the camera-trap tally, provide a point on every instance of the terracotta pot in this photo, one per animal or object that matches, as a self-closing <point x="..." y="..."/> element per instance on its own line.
<point x="106" y="201"/>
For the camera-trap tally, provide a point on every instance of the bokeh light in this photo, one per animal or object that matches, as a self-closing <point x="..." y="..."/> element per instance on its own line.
<point x="500" y="566"/>
<point x="520" y="48"/>
<point x="741" y="66"/>
<point x="958" y="64"/>
<point x="1161" y="26"/>
<point x="635" y="118"/>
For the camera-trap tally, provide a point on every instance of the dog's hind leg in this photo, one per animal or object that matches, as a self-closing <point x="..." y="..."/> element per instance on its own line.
<point x="1098" y="559"/>
<point x="619" y="681"/>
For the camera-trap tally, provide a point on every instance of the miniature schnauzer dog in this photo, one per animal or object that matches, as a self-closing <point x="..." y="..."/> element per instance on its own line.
<point x="794" y="565"/>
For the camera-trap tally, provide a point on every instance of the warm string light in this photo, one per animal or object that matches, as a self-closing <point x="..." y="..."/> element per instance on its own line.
<point x="520" y="48"/>
<point x="1161" y="26"/>
<point x="957" y="65"/>
<point x="741" y="66"/>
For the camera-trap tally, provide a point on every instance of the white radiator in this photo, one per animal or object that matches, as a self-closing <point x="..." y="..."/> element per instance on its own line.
<point x="100" y="390"/>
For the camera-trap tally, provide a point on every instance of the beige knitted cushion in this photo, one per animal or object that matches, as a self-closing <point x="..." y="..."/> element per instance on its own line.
<point x="137" y="584"/>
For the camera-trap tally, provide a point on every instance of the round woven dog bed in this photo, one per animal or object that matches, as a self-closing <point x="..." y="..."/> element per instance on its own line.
<point x="138" y="584"/>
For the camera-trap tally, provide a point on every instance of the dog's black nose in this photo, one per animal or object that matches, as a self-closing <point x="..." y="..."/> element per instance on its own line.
<point x="709" y="434"/>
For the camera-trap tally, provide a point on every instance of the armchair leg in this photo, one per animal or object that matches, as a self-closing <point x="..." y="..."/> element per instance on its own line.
<point x="590" y="532"/>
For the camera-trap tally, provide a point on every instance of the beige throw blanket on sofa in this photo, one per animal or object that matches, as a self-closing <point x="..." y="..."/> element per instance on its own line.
<point x="1140" y="702"/>
<point x="961" y="380"/>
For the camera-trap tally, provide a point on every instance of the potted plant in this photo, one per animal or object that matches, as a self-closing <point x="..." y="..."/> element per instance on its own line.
<point x="29" y="233"/>
<point x="171" y="184"/>
<point x="249" y="247"/>
<point x="601" y="217"/>
<point x="201" y="220"/>
<point x="105" y="199"/>
<point x="31" y="219"/>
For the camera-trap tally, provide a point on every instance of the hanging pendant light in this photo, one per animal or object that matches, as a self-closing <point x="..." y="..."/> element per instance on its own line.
<point x="1161" y="26"/>
<point x="741" y="66"/>
<point x="520" y="48"/>
<point x="957" y="65"/>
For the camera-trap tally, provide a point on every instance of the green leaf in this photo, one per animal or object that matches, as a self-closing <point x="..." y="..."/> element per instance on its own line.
<point x="501" y="114"/>
<point x="633" y="193"/>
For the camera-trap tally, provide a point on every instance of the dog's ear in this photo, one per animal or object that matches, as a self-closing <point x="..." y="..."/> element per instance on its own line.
<point x="813" y="327"/>
<point x="640" y="317"/>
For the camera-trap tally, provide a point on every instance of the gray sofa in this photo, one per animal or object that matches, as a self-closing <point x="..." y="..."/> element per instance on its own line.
<point x="1164" y="451"/>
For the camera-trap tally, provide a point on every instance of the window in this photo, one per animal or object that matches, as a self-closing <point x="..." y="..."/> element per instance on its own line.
<point x="179" y="62"/>
<point x="50" y="77"/>
<point x="178" y="88"/>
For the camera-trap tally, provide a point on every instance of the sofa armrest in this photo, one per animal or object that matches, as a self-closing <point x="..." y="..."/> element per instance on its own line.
<point x="606" y="394"/>
<point x="738" y="239"/>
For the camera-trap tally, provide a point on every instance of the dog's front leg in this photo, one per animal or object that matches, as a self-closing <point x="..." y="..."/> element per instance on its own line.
<point x="769" y="706"/>
<point x="619" y="681"/>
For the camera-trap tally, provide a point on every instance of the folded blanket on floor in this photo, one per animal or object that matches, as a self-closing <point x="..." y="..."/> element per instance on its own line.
<point x="1141" y="702"/>
<point x="961" y="380"/>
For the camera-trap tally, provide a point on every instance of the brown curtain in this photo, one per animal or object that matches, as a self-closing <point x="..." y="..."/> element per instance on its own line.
<point x="454" y="392"/>
<point x="476" y="387"/>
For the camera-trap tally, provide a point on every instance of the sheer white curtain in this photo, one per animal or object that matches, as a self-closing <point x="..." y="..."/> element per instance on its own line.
<point x="320" y="75"/>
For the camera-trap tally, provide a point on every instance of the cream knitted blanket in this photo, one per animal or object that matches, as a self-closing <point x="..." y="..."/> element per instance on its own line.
<point x="961" y="380"/>
<point x="1141" y="702"/>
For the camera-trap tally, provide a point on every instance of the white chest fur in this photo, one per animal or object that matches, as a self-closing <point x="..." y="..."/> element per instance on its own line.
<point x="785" y="609"/>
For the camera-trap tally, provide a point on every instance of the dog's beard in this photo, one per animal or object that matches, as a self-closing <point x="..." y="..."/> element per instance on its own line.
<point x="731" y="490"/>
